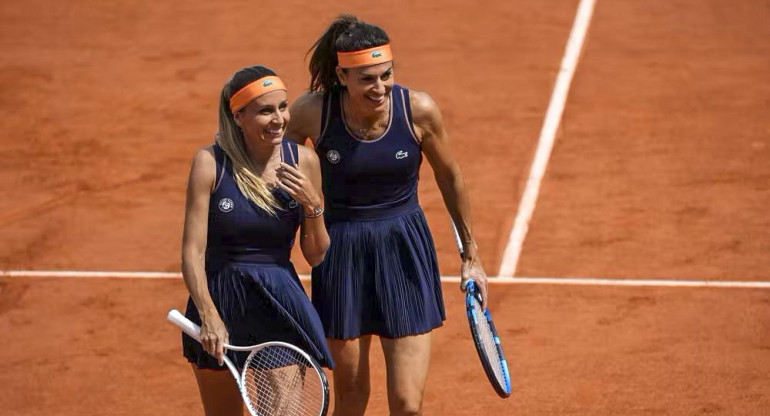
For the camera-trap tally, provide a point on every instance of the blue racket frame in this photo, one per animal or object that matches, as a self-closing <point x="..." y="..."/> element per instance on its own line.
<point x="473" y="295"/>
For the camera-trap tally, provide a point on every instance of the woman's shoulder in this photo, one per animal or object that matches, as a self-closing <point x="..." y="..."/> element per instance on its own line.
<point x="307" y="155"/>
<point x="205" y="155"/>
<point x="307" y="102"/>
<point x="204" y="165"/>
<point x="424" y="108"/>
<point x="305" y="116"/>
<point x="420" y="100"/>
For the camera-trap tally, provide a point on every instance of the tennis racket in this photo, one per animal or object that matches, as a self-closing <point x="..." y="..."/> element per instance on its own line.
<point x="277" y="378"/>
<point x="485" y="335"/>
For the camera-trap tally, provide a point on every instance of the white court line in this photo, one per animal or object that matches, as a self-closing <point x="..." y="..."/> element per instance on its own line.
<point x="547" y="137"/>
<point x="90" y="274"/>
<point x="582" y="281"/>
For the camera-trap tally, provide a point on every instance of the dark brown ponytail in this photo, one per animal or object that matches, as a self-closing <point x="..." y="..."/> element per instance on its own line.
<point x="345" y="34"/>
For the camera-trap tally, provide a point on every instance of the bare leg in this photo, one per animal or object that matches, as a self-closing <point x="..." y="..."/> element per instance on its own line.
<point x="219" y="392"/>
<point x="351" y="375"/>
<point x="407" y="360"/>
<point x="285" y="389"/>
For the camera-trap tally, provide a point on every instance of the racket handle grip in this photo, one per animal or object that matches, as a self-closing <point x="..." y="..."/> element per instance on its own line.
<point x="187" y="326"/>
<point x="458" y="242"/>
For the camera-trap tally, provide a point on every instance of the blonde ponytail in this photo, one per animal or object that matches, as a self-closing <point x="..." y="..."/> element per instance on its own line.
<point x="231" y="140"/>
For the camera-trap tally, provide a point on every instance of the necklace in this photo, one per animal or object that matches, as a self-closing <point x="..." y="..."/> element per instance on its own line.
<point x="369" y="133"/>
<point x="262" y="172"/>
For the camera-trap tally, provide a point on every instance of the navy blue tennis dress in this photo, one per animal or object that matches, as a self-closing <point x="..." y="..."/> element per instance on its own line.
<point x="252" y="281"/>
<point x="380" y="274"/>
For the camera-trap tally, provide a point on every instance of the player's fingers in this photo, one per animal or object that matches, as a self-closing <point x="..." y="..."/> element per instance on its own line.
<point x="463" y="278"/>
<point x="286" y="176"/>
<point x="213" y="344"/>
<point x="290" y="180"/>
<point x="484" y="294"/>
<point x="464" y="283"/>
<point x="290" y="170"/>
<point x="481" y="286"/>
<point x="297" y="178"/>
<point x="220" y="351"/>
<point x="291" y="189"/>
<point x="206" y="342"/>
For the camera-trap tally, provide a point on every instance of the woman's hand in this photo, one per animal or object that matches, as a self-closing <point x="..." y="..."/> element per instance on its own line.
<point x="473" y="270"/>
<point x="299" y="187"/>
<point x="213" y="337"/>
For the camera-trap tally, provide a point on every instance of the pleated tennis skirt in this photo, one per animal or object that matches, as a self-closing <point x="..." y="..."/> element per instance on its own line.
<point x="379" y="277"/>
<point x="259" y="303"/>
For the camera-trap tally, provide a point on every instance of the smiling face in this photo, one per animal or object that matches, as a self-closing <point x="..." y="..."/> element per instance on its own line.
<point x="264" y="119"/>
<point x="368" y="87"/>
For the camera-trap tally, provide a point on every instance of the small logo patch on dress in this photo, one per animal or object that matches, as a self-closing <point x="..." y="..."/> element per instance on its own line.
<point x="333" y="156"/>
<point x="226" y="205"/>
<point x="293" y="204"/>
<point x="401" y="154"/>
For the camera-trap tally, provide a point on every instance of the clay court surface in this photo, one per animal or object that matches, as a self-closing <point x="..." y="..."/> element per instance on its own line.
<point x="661" y="170"/>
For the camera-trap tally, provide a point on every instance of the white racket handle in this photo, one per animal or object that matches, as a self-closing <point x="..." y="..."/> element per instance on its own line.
<point x="187" y="326"/>
<point x="460" y="249"/>
<point x="457" y="238"/>
<point x="190" y="328"/>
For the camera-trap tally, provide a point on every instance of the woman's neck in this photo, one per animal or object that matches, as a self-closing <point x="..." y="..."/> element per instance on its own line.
<point x="361" y="118"/>
<point x="261" y="154"/>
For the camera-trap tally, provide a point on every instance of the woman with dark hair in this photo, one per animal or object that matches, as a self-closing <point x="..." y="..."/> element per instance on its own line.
<point x="380" y="275"/>
<point x="246" y="197"/>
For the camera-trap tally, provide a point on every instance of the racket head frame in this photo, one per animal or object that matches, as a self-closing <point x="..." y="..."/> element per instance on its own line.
<point x="472" y="295"/>
<point x="193" y="330"/>
<point x="473" y="298"/>
<point x="313" y="363"/>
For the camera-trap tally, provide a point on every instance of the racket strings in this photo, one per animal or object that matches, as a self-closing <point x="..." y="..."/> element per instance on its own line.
<point x="281" y="381"/>
<point x="487" y="338"/>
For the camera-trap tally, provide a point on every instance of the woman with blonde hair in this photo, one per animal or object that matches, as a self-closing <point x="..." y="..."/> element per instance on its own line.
<point x="246" y="197"/>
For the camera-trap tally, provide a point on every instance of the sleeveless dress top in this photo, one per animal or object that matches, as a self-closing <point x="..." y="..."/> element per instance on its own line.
<point x="250" y="278"/>
<point x="380" y="274"/>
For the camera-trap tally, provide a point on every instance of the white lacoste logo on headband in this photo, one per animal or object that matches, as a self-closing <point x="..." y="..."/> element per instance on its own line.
<point x="401" y="154"/>
<point x="376" y="54"/>
<point x="267" y="83"/>
<point x="226" y="205"/>
<point x="333" y="156"/>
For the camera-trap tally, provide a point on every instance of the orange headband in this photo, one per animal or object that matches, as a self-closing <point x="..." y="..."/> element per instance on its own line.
<point x="366" y="57"/>
<point x="251" y="91"/>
